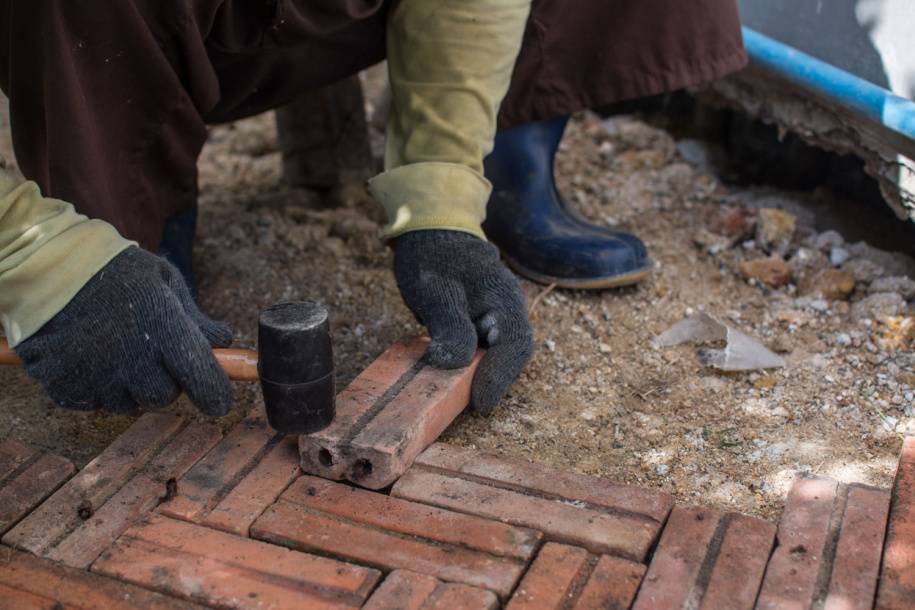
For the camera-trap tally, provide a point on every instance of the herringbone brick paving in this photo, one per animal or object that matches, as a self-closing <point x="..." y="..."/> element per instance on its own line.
<point x="175" y="515"/>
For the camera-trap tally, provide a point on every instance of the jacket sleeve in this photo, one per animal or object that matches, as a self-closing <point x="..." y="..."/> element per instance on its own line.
<point x="47" y="253"/>
<point x="450" y="65"/>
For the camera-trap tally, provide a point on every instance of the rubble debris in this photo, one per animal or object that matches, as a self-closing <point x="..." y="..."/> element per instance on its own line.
<point x="833" y="284"/>
<point x="865" y="271"/>
<point x="772" y="271"/>
<point x="878" y="305"/>
<point x="775" y="230"/>
<point x="899" y="284"/>
<point x="893" y="263"/>
<point x="741" y="352"/>
<point x="825" y="241"/>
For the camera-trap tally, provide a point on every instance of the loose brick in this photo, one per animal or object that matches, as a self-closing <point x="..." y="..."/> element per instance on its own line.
<point x="791" y="580"/>
<point x="377" y="530"/>
<point x="213" y="477"/>
<point x="93" y="485"/>
<point x="569" y="578"/>
<point x="375" y="441"/>
<point x="597" y="528"/>
<point x="215" y="568"/>
<point x="404" y="590"/>
<point x="138" y="497"/>
<point x="853" y="583"/>
<point x="13" y="599"/>
<point x="522" y="475"/>
<point x="897" y="579"/>
<point x="26" y="489"/>
<point x="706" y="560"/>
<point x="258" y="490"/>
<point x="13" y="454"/>
<point x="36" y="580"/>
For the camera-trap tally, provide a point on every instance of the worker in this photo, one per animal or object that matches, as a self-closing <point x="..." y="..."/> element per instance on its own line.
<point x="109" y="111"/>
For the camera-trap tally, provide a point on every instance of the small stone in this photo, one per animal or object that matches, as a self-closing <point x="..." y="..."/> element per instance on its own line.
<point x="894" y="263"/>
<point x="833" y="284"/>
<point x="865" y="271"/>
<point x="662" y="469"/>
<point x="807" y="260"/>
<point x="837" y="256"/>
<point x="899" y="284"/>
<point x="775" y="229"/>
<point x="772" y="271"/>
<point x="550" y="345"/>
<point x="842" y="339"/>
<point x="765" y="383"/>
<point x="877" y="305"/>
<point x="735" y="223"/>
<point x="605" y="348"/>
<point x="826" y="241"/>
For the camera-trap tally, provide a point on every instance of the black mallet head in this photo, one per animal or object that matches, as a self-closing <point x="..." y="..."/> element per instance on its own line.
<point x="296" y="367"/>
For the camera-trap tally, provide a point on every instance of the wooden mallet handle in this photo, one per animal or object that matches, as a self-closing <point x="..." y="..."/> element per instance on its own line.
<point x="239" y="364"/>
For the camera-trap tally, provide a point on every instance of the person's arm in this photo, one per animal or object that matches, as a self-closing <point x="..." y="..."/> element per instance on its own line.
<point x="450" y="65"/>
<point x="98" y="321"/>
<point x="47" y="254"/>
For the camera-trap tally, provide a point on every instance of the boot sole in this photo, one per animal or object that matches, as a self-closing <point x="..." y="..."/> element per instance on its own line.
<point x="591" y="283"/>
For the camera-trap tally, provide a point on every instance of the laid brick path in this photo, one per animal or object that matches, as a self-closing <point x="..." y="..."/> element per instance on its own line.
<point x="176" y="515"/>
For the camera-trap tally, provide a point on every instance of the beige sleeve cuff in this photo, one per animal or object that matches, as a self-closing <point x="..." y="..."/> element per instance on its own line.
<point x="432" y="195"/>
<point x="47" y="254"/>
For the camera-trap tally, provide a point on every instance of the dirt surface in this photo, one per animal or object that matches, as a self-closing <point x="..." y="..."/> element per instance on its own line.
<point x="598" y="397"/>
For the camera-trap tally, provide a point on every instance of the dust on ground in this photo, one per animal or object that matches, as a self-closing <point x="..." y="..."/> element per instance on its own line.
<point x="597" y="398"/>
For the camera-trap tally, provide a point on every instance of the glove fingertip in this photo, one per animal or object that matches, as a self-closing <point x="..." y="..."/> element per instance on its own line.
<point x="449" y="355"/>
<point x="218" y="333"/>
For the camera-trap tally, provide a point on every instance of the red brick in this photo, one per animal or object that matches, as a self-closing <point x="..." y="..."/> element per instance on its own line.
<point x="74" y="589"/>
<point x="404" y="590"/>
<point x="403" y="517"/>
<point x="324" y="453"/>
<point x="409" y="412"/>
<point x="28" y="487"/>
<point x="13" y="599"/>
<point x="258" y="490"/>
<point x="518" y="474"/>
<point x="897" y="579"/>
<point x="138" y="497"/>
<point x="392" y="534"/>
<point x="13" y="454"/>
<point x="94" y="484"/>
<point x="855" y="568"/>
<point x="613" y="584"/>
<point x="215" y="568"/>
<point x="596" y="528"/>
<point x="803" y="532"/>
<point x="569" y="578"/>
<point x="212" y="478"/>
<point x="707" y="560"/>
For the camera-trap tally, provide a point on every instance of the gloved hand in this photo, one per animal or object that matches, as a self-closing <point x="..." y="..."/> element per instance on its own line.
<point x="131" y="336"/>
<point x="455" y="285"/>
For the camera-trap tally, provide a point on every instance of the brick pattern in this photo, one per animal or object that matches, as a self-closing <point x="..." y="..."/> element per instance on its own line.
<point x="316" y="515"/>
<point x="707" y="560"/>
<point x="569" y="578"/>
<point x="830" y="539"/>
<point x="91" y="509"/>
<point x="27" y="477"/>
<point x="897" y="581"/>
<point x="29" y="583"/>
<point x="391" y="412"/>
<point x="203" y="565"/>
<point x="405" y="590"/>
<point x="573" y="509"/>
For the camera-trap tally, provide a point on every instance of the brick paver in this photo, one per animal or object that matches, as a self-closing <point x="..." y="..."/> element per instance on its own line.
<point x="830" y="538"/>
<point x="396" y="408"/>
<point x="210" y="480"/>
<point x="86" y="492"/>
<point x="335" y="519"/>
<point x="707" y="560"/>
<point x="45" y="584"/>
<point x="405" y="590"/>
<point x="569" y="578"/>
<point x="222" y="570"/>
<point x="897" y="579"/>
<point x="573" y="509"/>
<point x="29" y="476"/>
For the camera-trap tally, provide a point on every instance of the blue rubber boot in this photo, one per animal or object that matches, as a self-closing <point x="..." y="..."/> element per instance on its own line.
<point x="540" y="236"/>
<point x="177" y="244"/>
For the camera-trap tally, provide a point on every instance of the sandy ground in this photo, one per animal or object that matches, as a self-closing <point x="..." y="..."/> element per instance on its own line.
<point x="597" y="398"/>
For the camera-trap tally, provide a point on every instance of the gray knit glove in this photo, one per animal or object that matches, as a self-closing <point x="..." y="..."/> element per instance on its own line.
<point x="455" y="285"/>
<point x="131" y="336"/>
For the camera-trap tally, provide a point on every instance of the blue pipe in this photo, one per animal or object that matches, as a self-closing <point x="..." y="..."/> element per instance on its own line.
<point x="874" y="103"/>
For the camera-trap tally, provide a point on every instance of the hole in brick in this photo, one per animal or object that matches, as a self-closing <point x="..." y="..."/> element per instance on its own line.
<point x="325" y="457"/>
<point x="362" y="468"/>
